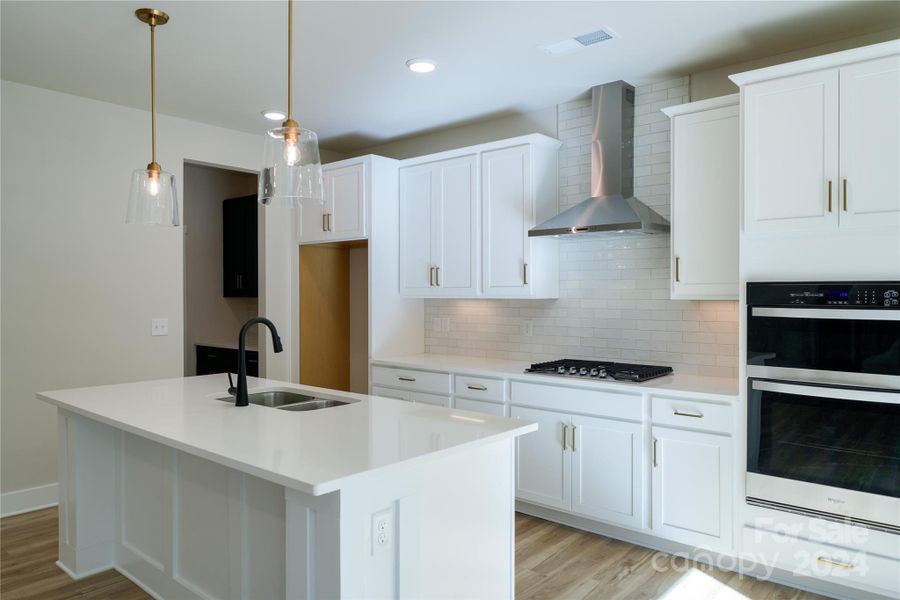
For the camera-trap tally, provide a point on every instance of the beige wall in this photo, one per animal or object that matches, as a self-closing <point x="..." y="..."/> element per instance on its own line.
<point x="538" y="121"/>
<point x="80" y="287"/>
<point x="210" y="318"/>
<point x="714" y="82"/>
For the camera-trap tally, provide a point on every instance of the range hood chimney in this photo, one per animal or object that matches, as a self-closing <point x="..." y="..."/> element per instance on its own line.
<point x="611" y="210"/>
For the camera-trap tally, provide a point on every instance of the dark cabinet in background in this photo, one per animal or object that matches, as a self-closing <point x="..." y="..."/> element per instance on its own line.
<point x="239" y="237"/>
<point x="224" y="360"/>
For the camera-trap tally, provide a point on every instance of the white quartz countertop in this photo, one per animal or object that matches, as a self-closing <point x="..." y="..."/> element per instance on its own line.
<point x="316" y="452"/>
<point x="491" y="367"/>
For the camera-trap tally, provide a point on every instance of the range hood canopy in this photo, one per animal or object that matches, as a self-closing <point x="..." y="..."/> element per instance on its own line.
<point x="611" y="209"/>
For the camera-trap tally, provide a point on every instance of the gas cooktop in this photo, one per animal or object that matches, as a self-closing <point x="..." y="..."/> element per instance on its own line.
<point x="599" y="369"/>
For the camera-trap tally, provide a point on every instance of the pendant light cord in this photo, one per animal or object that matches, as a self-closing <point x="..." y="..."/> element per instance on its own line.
<point x="290" y="53"/>
<point x="153" y="89"/>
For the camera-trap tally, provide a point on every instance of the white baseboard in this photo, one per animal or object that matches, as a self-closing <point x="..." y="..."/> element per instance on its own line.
<point x="27" y="500"/>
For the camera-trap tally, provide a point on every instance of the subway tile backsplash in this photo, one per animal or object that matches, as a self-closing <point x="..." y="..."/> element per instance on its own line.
<point x="614" y="293"/>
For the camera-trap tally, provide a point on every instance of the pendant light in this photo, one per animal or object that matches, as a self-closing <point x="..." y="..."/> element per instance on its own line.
<point x="292" y="170"/>
<point x="153" y="199"/>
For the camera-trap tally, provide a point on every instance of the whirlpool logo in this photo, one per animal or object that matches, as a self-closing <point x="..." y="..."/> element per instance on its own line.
<point x="835" y="500"/>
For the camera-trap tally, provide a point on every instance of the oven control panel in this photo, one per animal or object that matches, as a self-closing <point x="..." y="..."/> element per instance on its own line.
<point x="868" y="294"/>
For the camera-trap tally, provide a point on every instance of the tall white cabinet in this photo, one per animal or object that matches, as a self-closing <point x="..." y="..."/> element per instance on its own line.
<point x="705" y="138"/>
<point x="465" y="216"/>
<point x="821" y="143"/>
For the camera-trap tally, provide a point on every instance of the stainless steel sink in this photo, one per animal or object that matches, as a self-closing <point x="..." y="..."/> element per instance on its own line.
<point x="313" y="404"/>
<point x="287" y="400"/>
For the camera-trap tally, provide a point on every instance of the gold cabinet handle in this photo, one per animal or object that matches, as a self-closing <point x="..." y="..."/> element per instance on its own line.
<point x="844" y="195"/>
<point x="697" y="415"/>
<point x="525" y="273"/>
<point x="402" y="378"/>
<point x="677" y="269"/>
<point x="565" y="436"/>
<point x="574" y="429"/>
<point x="329" y="222"/>
<point x="829" y="195"/>
<point x="834" y="563"/>
<point x="477" y="387"/>
<point x="431" y="276"/>
<point x="437" y="276"/>
<point x="655" y="464"/>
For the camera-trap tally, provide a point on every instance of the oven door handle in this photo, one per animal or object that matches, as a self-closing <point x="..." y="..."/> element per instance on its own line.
<point x="834" y="392"/>
<point x="847" y="314"/>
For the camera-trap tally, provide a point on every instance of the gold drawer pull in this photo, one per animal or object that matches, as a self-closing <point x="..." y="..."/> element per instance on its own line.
<point x="678" y="413"/>
<point x="677" y="270"/>
<point x="834" y="563"/>
<point x="565" y="436"/>
<point x="574" y="430"/>
<point x="844" y="195"/>
<point x="473" y="386"/>
<point x="654" y="453"/>
<point x="829" y="195"/>
<point x="402" y="378"/>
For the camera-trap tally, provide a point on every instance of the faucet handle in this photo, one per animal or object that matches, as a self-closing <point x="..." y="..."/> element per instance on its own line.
<point x="231" y="389"/>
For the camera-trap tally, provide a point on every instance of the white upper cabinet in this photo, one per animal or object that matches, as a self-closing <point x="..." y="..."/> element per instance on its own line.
<point x="705" y="199"/>
<point x="822" y="142"/>
<point x="465" y="216"/>
<point x="870" y="143"/>
<point x="507" y="210"/>
<point x="438" y="220"/>
<point x="342" y="214"/>
<point x="791" y="153"/>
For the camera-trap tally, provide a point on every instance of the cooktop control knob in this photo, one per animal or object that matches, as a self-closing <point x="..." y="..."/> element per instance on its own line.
<point x="573" y="370"/>
<point x="594" y="372"/>
<point x="583" y="371"/>
<point x="561" y="370"/>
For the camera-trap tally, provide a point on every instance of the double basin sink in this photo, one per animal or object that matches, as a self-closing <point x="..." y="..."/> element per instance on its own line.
<point x="284" y="400"/>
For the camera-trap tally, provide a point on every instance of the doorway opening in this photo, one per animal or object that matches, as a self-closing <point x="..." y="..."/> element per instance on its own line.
<point x="223" y="235"/>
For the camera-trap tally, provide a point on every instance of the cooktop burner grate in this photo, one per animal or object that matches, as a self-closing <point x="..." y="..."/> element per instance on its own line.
<point x="599" y="369"/>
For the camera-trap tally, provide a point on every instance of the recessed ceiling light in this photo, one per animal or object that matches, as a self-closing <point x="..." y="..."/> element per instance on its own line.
<point x="274" y="115"/>
<point x="421" y="65"/>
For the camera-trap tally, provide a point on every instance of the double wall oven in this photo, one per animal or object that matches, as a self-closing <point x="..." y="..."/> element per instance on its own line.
<point x="823" y="401"/>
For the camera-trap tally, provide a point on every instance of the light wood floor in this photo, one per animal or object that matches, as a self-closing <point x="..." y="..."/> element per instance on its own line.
<point x="552" y="562"/>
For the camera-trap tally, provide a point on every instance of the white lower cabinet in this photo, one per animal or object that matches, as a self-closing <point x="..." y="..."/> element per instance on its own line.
<point x="606" y="470"/>
<point x="490" y="408"/>
<point x="586" y="465"/>
<point x="543" y="460"/>
<point x="411" y="396"/>
<point x="692" y="488"/>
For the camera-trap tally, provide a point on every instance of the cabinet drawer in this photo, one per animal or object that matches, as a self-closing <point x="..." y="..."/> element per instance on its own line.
<point x="693" y="414"/>
<point x="409" y="379"/>
<point x="490" y="408"/>
<point x="843" y="566"/>
<point x="566" y="399"/>
<point x="389" y="393"/>
<point x="478" y="388"/>
<point x="431" y="399"/>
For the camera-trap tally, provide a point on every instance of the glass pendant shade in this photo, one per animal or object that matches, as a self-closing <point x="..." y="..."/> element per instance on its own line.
<point x="292" y="169"/>
<point x="153" y="199"/>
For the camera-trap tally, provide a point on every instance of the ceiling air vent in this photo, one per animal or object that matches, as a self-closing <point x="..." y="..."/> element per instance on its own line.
<point x="594" y="37"/>
<point x="579" y="42"/>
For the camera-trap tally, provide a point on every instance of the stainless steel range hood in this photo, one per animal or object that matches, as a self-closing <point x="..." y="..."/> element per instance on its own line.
<point x="611" y="210"/>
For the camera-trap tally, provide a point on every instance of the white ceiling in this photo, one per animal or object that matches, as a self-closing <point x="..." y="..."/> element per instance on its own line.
<point x="222" y="62"/>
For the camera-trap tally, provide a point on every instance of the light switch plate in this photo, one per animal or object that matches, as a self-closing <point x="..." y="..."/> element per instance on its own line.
<point x="159" y="327"/>
<point x="528" y="328"/>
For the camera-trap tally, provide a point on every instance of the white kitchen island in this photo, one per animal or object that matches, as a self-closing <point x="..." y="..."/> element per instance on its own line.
<point x="192" y="497"/>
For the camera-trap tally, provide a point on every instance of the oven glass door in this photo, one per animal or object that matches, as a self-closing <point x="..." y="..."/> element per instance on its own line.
<point x="862" y="341"/>
<point x="841" y="437"/>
